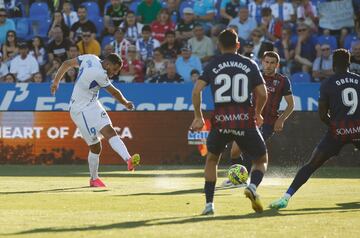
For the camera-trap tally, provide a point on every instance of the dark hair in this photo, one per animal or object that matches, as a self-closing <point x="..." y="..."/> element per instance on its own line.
<point x="41" y="41"/>
<point x="15" y="38"/>
<point x="170" y="32"/>
<point x="86" y="29"/>
<point x="2" y="10"/>
<point x="158" y="49"/>
<point x="194" y="71"/>
<point x="271" y="54"/>
<point x="120" y="29"/>
<point x="11" y="75"/>
<point x="82" y="7"/>
<point x="74" y="45"/>
<point x="341" y="59"/>
<point x="114" y="59"/>
<point x="228" y="38"/>
<point x="146" y="28"/>
<point x="266" y="11"/>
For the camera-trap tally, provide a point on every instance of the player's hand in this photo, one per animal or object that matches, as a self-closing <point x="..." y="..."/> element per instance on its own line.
<point x="197" y="124"/>
<point x="53" y="88"/>
<point x="259" y="120"/>
<point x="129" y="105"/>
<point x="279" y="125"/>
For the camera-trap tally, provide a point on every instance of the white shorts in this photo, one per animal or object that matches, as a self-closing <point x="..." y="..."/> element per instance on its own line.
<point x="90" y="121"/>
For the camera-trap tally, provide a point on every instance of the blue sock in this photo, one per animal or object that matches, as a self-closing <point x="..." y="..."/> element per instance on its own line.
<point x="301" y="177"/>
<point x="237" y="160"/>
<point x="256" y="177"/>
<point x="246" y="161"/>
<point x="209" y="191"/>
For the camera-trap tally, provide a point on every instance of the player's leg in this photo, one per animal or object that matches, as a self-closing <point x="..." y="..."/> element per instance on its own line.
<point x="216" y="143"/>
<point x="119" y="147"/>
<point x="326" y="149"/>
<point x="94" y="159"/>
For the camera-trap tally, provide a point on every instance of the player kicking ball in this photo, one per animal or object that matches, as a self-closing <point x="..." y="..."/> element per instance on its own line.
<point x="233" y="79"/>
<point x="278" y="87"/>
<point x="87" y="112"/>
<point x="339" y="109"/>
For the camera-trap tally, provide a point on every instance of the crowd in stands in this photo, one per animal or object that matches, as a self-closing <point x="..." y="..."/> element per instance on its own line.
<point x="166" y="40"/>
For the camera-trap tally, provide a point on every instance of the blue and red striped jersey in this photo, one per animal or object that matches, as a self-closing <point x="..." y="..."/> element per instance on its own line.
<point x="342" y="93"/>
<point x="277" y="87"/>
<point x="232" y="78"/>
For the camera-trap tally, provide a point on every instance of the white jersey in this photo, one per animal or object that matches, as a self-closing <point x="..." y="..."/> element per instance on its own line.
<point x="90" y="79"/>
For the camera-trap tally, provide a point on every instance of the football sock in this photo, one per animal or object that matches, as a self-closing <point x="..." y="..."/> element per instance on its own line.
<point x="301" y="177"/>
<point x="209" y="191"/>
<point x="93" y="160"/>
<point x="256" y="177"/>
<point x="246" y="161"/>
<point x="119" y="147"/>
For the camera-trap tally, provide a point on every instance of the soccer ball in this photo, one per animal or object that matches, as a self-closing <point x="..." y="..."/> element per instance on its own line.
<point x="237" y="174"/>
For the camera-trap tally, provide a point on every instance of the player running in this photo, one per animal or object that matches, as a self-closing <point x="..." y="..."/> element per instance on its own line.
<point x="233" y="79"/>
<point x="87" y="112"/>
<point x="339" y="109"/>
<point x="278" y="87"/>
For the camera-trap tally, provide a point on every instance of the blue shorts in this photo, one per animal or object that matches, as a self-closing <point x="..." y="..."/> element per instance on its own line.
<point x="248" y="140"/>
<point x="331" y="146"/>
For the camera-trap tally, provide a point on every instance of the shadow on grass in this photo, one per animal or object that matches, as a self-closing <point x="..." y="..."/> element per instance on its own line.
<point x="178" y="192"/>
<point x="340" y="208"/>
<point x="74" y="189"/>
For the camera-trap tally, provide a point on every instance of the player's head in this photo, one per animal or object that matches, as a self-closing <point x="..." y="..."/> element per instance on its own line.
<point x="270" y="62"/>
<point x="341" y="60"/>
<point x="228" y="41"/>
<point x="112" y="64"/>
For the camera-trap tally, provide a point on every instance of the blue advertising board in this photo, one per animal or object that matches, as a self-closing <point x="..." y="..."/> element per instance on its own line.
<point x="146" y="97"/>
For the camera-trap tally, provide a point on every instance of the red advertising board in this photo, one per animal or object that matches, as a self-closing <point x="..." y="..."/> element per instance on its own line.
<point x="52" y="138"/>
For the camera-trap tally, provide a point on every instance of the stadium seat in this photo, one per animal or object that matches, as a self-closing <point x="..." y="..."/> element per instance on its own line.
<point x="349" y="39"/>
<point x="38" y="10"/>
<point x="22" y="28"/>
<point x="133" y="5"/>
<point x="184" y="4"/>
<point x="330" y="40"/>
<point x="301" y="77"/>
<point x="92" y="9"/>
<point x="99" y="23"/>
<point x="39" y="27"/>
<point x="106" y="40"/>
<point x="107" y="5"/>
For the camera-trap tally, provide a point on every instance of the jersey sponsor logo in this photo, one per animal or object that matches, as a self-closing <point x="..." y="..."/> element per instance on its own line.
<point x="232" y="117"/>
<point x="232" y="132"/>
<point x="348" y="131"/>
<point x="276" y="83"/>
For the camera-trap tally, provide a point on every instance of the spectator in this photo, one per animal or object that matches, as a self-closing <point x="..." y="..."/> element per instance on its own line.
<point x="201" y="45"/>
<point x="305" y="51"/>
<point x="83" y="23"/>
<point x="133" y="68"/>
<point x="286" y="50"/>
<point x="255" y="9"/>
<point x="229" y="10"/>
<point x="132" y="27"/>
<point x="114" y="16"/>
<point x="355" y="57"/>
<point x="187" y="62"/>
<point x="38" y="51"/>
<point x="244" y="23"/>
<point x="156" y="67"/>
<point x="283" y="11"/>
<point x="270" y="27"/>
<point x="24" y="66"/>
<point x="171" y="47"/>
<point x="257" y="37"/>
<point x="37" y="78"/>
<point x="120" y="44"/>
<point x="10" y="48"/>
<point x="15" y="8"/>
<point x="162" y="25"/>
<point x="107" y="50"/>
<point x="88" y="45"/>
<point x="58" y="21"/>
<point x="148" y="10"/>
<point x="195" y="74"/>
<point x="204" y="11"/>
<point x="69" y="16"/>
<point x="306" y="13"/>
<point x="322" y="67"/>
<point x="248" y="49"/>
<point x="184" y="29"/>
<point x="59" y="46"/>
<point x="170" y="76"/>
<point x="172" y="6"/>
<point x="70" y="76"/>
<point x="9" y="78"/>
<point x="146" y="44"/>
<point x="5" y="25"/>
<point x="4" y="70"/>
<point x="73" y="52"/>
<point x="55" y="65"/>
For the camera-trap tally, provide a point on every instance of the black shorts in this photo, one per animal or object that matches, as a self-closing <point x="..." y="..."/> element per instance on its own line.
<point x="249" y="141"/>
<point x="331" y="146"/>
<point x="267" y="131"/>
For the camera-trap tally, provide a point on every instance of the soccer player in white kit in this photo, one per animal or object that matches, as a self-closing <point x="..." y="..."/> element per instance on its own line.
<point x="87" y="112"/>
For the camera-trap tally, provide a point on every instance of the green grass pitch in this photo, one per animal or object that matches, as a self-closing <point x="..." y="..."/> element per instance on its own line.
<point x="54" y="201"/>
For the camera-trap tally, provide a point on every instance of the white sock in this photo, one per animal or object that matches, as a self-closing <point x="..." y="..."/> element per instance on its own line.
<point x="210" y="204"/>
<point x="93" y="160"/>
<point x="287" y="196"/>
<point x="119" y="147"/>
<point x="252" y="186"/>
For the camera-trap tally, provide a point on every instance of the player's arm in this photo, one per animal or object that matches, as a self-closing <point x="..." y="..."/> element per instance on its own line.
<point x="198" y="121"/>
<point x="65" y="66"/>
<point x="279" y="124"/>
<point x="116" y="93"/>
<point x="261" y="97"/>
<point x="324" y="112"/>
